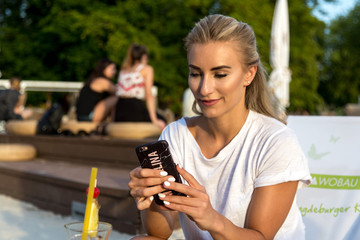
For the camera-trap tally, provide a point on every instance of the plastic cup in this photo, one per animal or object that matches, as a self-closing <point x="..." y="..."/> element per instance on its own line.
<point x="75" y="231"/>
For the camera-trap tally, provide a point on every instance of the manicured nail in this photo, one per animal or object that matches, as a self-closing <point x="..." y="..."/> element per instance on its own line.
<point x="166" y="183"/>
<point x="166" y="203"/>
<point x="163" y="173"/>
<point x="151" y="198"/>
<point x="171" y="179"/>
<point x="161" y="195"/>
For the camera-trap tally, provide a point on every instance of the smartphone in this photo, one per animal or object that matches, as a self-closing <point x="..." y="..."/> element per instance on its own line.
<point x="156" y="155"/>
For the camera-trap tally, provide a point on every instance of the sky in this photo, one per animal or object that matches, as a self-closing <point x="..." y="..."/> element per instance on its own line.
<point x="341" y="7"/>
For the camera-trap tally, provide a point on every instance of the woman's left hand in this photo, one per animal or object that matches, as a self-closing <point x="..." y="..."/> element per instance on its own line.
<point x="196" y="205"/>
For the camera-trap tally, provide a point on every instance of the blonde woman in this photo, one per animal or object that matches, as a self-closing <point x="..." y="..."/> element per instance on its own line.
<point x="241" y="165"/>
<point x="136" y="79"/>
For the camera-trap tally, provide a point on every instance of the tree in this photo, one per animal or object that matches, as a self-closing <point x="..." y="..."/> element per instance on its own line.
<point x="306" y="45"/>
<point x="341" y="76"/>
<point x="62" y="40"/>
<point x="306" y="54"/>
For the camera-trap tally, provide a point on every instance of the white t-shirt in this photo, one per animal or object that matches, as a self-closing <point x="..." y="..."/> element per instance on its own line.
<point x="264" y="152"/>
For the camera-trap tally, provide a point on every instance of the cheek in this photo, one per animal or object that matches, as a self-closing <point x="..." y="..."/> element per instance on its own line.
<point x="231" y="86"/>
<point x="193" y="85"/>
<point x="110" y="71"/>
<point x="232" y="90"/>
<point x="106" y="72"/>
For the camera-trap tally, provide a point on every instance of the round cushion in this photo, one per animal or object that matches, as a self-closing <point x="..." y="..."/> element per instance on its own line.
<point x="75" y="126"/>
<point x="16" y="152"/>
<point x="132" y="130"/>
<point x="21" y="127"/>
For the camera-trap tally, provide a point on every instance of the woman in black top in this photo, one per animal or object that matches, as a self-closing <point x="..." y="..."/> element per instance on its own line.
<point x="12" y="102"/>
<point x="97" y="98"/>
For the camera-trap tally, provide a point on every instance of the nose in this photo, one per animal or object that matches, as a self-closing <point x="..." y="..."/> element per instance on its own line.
<point x="206" y="85"/>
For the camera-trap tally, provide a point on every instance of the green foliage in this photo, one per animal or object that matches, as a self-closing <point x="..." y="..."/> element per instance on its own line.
<point x="62" y="40"/>
<point x="341" y="79"/>
<point x="258" y="14"/>
<point x="306" y="45"/>
<point x="306" y="54"/>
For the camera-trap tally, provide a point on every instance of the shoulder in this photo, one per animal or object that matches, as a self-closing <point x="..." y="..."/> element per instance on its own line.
<point x="280" y="157"/>
<point x="178" y="124"/>
<point x="270" y="130"/>
<point x="175" y="129"/>
<point x="147" y="69"/>
<point x="100" y="84"/>
<point x="101" y="80"/>
<point x="266" y="124"/>
<point x="176" y="135"/>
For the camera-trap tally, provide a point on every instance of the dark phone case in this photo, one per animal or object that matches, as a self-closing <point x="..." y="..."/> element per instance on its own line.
<point x="156" y="155"/>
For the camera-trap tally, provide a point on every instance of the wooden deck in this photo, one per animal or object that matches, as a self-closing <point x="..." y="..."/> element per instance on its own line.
<point x="60" y="174"/>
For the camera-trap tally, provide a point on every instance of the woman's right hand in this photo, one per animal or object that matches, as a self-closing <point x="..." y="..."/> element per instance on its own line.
<point x="144" y="183"/>
<point x="160" y="123"/>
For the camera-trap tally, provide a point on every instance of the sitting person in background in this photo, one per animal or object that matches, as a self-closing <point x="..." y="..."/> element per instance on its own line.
<point x="50" y="122"/>
<point x="97" y="98"/>
<point x="135" y="82"/>
<point x="12" y="102"/>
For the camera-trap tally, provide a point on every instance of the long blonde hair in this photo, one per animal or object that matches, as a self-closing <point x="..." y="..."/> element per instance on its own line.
<point x="223" y="28"/>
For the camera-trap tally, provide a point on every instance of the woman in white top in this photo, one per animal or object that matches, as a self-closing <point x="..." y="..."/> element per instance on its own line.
<point x="241" y="165"/>
<point x="135" y="82"/>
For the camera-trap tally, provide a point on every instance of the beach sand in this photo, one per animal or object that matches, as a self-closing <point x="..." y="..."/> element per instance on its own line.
<point x="24" y="221"/>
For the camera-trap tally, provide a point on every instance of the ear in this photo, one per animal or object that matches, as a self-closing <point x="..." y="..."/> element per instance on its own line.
<point x="249" y="76"/>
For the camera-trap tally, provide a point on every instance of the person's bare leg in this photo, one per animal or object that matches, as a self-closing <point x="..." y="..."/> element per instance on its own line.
<point x="104" y="108"/>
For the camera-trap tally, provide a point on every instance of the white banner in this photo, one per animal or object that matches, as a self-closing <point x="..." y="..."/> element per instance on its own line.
<point x="331" y="205"/>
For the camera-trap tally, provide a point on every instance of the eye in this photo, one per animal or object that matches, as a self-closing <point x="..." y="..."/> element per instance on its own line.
<point x="220" y="75"/>
<point x="192" y="74"/>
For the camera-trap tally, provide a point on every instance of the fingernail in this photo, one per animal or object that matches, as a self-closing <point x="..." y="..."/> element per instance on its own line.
<point x="179" y="165"/>
<point x="166" y="183"/>
<point x="171" y="179"/>
<point x="161" y="195"/>
<point x="166" y="203"/>
<point x="163" y="173"/>
<point x="151" y="198"/>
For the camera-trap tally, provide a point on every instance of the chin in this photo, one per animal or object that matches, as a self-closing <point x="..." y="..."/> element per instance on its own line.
<point x="210" y="114"/>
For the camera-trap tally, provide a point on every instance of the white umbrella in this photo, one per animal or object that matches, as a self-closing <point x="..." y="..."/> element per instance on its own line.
<point x="187" y="103"/>
<point x="280" y="77"/>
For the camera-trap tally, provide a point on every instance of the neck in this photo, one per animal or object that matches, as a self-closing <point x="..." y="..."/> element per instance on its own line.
<point x="226" y="127"/>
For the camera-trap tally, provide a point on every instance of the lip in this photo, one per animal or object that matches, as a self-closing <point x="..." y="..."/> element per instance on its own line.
<point x="210" y="102"/>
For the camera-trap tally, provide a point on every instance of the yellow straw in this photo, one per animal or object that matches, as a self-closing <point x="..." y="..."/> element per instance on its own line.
<point x="88" y="203"/>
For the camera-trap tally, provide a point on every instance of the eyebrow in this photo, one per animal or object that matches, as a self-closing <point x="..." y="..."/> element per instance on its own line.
<point x="212" y="69"/>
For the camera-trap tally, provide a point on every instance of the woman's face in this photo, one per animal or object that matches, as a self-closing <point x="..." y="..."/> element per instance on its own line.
<point x="218" y="79"/>
<point x="110" y="71"/>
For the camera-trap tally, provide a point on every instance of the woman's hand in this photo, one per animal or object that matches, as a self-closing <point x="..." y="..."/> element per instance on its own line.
<point x="196" y="205"/>
<point x="160" y="123"/>
<point x="158" y="221"/>
<point x="144" y="183"/>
